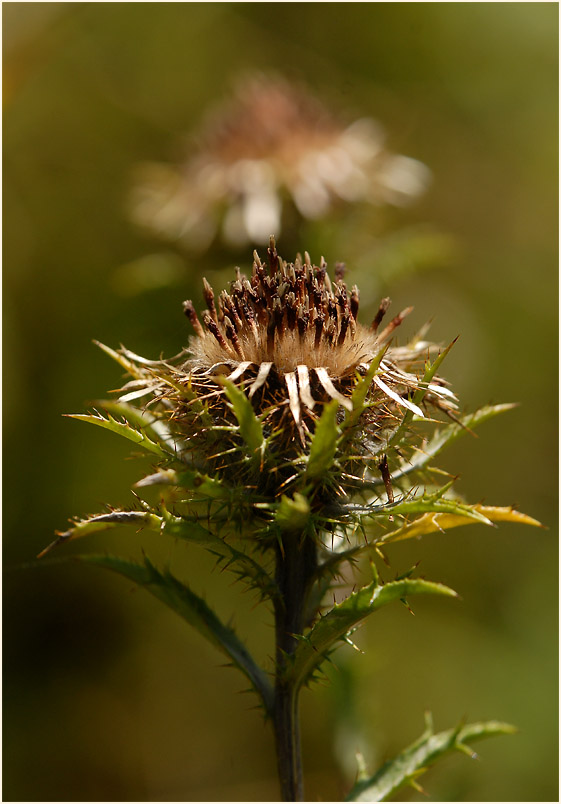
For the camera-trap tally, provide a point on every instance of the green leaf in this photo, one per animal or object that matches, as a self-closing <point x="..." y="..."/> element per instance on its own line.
<point x="250" y="426"/>
<point x="293" y="515"/>
<point x="443" y="438"/>
<point x="193" y="609"/>
<point x="449" y="435"/>
<point x="242" y="565"/>
<point x="171" y="525"/>
<point x="360" y="392"/>
<point x="184" y="392"/>
<point x="433" y="503"/>
<point x="114" y="519"/>
<point x="202" y="484"/>
<point x="331" y="566"/>
<point x="123" y="429"/>
<point x="154" y="427"/>
<point x="324" y="442"/>
<point x="430" y="371"/>
<point x="408" y="765"/>
<point x="334" y="625"/>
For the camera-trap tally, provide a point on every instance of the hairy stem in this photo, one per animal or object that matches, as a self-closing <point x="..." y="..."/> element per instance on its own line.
<point x="296" y="564"/>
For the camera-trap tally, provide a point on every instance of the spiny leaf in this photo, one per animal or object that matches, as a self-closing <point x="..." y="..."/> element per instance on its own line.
<point x="360" y="392"/>
<point x="434" y="503"/>
<point x="191" y="531"/>
<point x="330" y="568"/>
<point x="465" y="423"/>
<point x="93" y="524"/>
<point x="430" y="371"/>
<point x="431" y="522"/>
<point x="243" y="565"/>
<point x="404" y="768"/>
<point x="293" y="514"/>
<point x="202" y="484"/>
<point x="444" y="438"/>
<point x="154" y="427"/>
<point x="181" y="599"/>
<point x="449" y="435"/>
<point x="123" y="429"/>
<point x="184" y="390"/>
<point x="130" y="367"/>
<point x="250" y="426"/>
<point x="334" y="625"/>
<point x="324" y="442"/>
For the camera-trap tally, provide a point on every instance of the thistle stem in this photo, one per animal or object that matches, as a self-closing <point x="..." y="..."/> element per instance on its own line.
<point x="296" y="562"/>
<point x="287" y="736"/>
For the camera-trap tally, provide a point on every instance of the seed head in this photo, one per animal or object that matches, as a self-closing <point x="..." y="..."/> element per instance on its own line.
<point x="290" y="338"/>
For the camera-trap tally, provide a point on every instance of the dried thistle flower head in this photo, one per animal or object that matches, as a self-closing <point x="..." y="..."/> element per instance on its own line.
<point x="272" y="141"/>
<point x="290" y="337"/>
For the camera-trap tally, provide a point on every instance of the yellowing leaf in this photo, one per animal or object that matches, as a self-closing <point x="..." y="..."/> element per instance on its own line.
<point x="508" y="514"/>
<point x="431" y="522"/>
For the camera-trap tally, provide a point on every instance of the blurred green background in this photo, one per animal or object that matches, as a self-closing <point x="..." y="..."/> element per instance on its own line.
<point x="107" y="695"/>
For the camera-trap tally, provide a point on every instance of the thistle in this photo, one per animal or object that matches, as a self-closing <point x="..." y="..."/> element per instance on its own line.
<point x="291" y="439"/>
<point x="272" y="143"/>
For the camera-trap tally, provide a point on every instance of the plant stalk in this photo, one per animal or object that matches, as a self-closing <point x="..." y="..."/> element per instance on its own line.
<point x="296" y="563"/>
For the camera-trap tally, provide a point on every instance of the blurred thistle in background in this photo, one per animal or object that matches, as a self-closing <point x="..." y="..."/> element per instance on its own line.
<point x="271" y="145"/>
